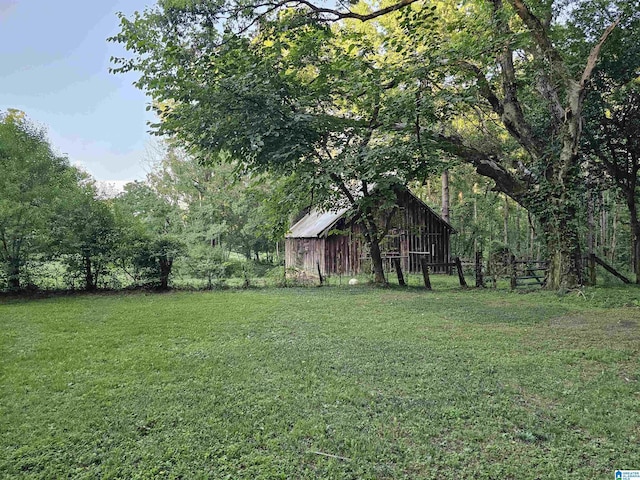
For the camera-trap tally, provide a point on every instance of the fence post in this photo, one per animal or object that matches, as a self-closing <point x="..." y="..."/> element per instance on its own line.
<point x="514" y="272"/>
<point x="479" y="279"/>
<point x="396" y="263"/>
<point x="463" y="282"/>
<point x="319" y="273"/>
<point x="425" y="273"/>
<point x="592" y="269"/>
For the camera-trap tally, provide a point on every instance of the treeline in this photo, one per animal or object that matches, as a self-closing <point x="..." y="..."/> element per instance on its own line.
<point x="56" y="232"/>
<point x="207" y="223"/>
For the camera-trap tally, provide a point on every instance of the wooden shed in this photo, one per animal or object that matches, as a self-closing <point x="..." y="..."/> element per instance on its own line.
<point x="330" y="242"/>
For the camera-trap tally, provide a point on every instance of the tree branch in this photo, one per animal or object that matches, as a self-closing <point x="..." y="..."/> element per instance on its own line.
<point x="387" y="223"/>
<point x="485" y="89"/>
<point x="343" y="188"/>
<point x="512" y="115"/>
<point x="539" y="33"/>
<point x="593" y="56"/>
<point x="485" y="164"/>
<point x="338" y="15"/>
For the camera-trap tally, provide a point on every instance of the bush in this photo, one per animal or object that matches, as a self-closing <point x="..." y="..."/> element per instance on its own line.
<point x="233" y="268"/>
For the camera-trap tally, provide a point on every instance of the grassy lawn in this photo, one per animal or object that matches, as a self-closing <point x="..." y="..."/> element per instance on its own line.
<point x="337" y="383"/>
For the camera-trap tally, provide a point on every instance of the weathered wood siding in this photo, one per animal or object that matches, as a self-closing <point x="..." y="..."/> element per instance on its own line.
<point x="344" y="252"/>
<point x="424" y="234"/>
<point x="304" y="254"/>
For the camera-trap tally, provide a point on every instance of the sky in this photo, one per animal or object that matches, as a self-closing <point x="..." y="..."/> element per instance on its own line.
<point x="54" y="66"/>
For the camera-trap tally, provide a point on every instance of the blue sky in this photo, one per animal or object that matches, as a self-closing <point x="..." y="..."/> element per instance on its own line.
<point x="54" y="65"/>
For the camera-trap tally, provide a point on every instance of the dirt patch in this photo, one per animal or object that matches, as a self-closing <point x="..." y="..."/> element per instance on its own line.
<point x="569" y="321"/>
<point x="624" y="325"/>
<point x="598" y="333"/>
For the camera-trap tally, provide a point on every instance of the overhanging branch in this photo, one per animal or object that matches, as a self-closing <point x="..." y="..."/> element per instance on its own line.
<point x="485" y="164"/>
<point x="485" y="89"/>
<point x="338" y="15"/>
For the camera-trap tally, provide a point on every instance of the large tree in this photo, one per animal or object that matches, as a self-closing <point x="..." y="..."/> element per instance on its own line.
<point x="33" y="185"/>
<point x="519" y="90"/>
<point x="292" y="96"/>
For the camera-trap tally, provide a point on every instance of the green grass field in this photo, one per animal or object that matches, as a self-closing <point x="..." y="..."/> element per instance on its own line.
<point x="331" y="383"/>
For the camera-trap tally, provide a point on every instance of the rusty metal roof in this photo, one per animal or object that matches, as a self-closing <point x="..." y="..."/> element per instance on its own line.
<point x="315" y="224"/>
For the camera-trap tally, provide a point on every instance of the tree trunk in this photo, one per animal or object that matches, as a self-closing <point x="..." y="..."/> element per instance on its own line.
<point x="635" y="233"/>
<point x="376" y="261"/>
<point x="88" y="274"/>
<point x="604" y="221"/>
<point x="165" y="271"/>
<point x="591" y="237"/>
<point x="518" y="232"/>
<point x="591" y="225"/>
<point x="563" y="249"/>
<point x="475" y="223"/>
<point x="614" y="236"/>
<point x="373" y="238"/>
<point x="14" y="274"/>
<point x="445" y="195"/>
<point x="506" y="221"/>
<point x="532" y="241"/>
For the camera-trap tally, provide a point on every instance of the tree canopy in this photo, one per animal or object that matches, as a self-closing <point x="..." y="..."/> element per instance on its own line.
<point x="359" y="92"/>
<point x="34" y="187"/>
<point x="325" y="102"/>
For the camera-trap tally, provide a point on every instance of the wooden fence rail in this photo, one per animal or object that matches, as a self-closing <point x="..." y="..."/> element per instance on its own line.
<point x="523" y="271"/>
<point x="593" y="259"/>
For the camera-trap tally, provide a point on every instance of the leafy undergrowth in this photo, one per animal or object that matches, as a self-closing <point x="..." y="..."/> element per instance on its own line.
<point x="350" y="383"/>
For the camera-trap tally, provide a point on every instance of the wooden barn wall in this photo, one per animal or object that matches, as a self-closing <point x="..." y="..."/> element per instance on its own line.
<point x="424" y="235"/>
<point x="304" y="254"/>
<point x="344" y="252"/>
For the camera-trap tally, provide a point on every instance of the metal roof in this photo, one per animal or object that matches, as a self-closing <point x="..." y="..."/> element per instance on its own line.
<point x="315" y="223"/>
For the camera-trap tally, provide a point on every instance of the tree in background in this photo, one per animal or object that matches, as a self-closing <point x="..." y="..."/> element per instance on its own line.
<point x="612" y="116"/>
<point x="150" y="235"/>
<point x="33" y="185"/>
<point x="486" y="220"/>
<point x="85" y="233"/>
<point x="222" y="206"/>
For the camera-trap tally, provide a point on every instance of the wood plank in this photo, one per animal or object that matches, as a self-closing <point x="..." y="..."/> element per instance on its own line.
<point x="610" y="269"/>
<point x="463" y="282"/>
<point x="425" y="274"/>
